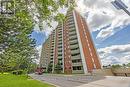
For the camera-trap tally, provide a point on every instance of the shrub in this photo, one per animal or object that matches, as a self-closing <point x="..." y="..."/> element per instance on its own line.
<point x="18" y="72"/>
<point x="14" y="72"/>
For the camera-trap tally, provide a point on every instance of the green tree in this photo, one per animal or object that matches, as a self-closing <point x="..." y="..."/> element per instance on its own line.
<point x="128" y="65"/>
<point x="17" y="48"/>
<point x="116" y="66"/>
<point x="47" y="10"/>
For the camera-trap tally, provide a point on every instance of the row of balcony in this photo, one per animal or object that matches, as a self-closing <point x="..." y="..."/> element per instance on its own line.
<point x="75" y="52"/>
<point x="59" y="50"/>
<point x="60" y="46"/>
<point x="73" y="37"/>
<point x="72" y="42"/>
<point x="60" y="43"/>
<point x="70" y="16"/>
<point x="71" y="30"/>
<point x="59" y="57"/>
<point x="71" y="23"/>
<point x="60" y="36"/>
<point x="60" y="39"/>
<point x="70" y="20"/>
<point x="76" y="57"/>
<point x="71" y="26"/>
<point x="77" y="64"/>
<point x="73" y="47"/>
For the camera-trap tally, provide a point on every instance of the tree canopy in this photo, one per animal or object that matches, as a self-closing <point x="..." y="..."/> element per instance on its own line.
<point x="17" y="48"/>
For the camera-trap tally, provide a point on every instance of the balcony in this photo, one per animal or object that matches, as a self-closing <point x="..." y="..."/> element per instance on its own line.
<point x="70" y="16"/>
<point x="60" y="46"/>
<point x="71" y="23"/>
<point x="77" y="64"/>
<point x="59" y="57"/>
<point x="59" y="42"/>
<point x="76" y="57"/>
<point x="51" y="52"/>
<point x="75" y="52"/>
<point x="52" y="49"/>
<point x="60" y="54"/>
<point x="59" y="50"/>
<point x="72" y="42"/>
<point x="72" y="30"/>
<point x="71" y="19"/>
<point x="73" y="47"/>
<point x="73" y="38"/>
<point x="60" y="29"/>
<point x="72" y="26"/>
<point x="60" y="32"/>
<point x="60" y="39"/>
<point x="69" y="13"/>
<point x="58" y="26"/>
<point x="60" y="36"/>
<point x="51" y="62"/>
<point x="51" y="55"/>
<point x="51" y="59"/>
<point x="53" y="42"/>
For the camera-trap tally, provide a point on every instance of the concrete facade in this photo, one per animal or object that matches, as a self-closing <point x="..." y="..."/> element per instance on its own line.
<point x="71" y="46"/>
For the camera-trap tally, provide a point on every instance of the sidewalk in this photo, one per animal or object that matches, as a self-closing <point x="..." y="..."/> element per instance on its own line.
<point x="109" y="81"/>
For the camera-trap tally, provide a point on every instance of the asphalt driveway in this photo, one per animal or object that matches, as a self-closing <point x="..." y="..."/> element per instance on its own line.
<point x="66" y="80"/>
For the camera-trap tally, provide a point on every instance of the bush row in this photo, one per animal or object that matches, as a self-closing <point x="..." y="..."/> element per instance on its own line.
<point x="18" y="72"/>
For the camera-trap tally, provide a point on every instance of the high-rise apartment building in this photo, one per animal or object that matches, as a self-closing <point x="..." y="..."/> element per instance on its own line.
<point x="70" y="46"/>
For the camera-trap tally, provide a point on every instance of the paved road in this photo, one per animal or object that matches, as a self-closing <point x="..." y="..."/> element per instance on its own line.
<point x="66" y="80"/>
<point x="110" y="81"/>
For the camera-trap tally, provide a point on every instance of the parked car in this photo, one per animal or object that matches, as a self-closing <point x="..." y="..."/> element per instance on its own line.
<point x="39" y="71"/>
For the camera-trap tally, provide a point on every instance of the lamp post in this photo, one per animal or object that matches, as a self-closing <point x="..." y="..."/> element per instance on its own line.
<point x="119" y="5"/>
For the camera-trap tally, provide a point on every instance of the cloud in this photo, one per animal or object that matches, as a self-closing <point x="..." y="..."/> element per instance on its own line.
<point x="101" y="13"/>
<point x="39" y="49"/>
<point x="116" y="60"/>
<point x="115" y="54"/>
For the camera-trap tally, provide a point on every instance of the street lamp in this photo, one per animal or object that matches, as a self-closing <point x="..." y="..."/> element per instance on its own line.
<point x="119" y="5"/>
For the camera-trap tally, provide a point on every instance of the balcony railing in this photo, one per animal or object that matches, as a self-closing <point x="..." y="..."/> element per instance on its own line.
<point x="60" y="57"/>
<point x="77" y="64"/>
<point x="75" y="57"/>
<point x="71" y="26"/>
<point x="60" y="46"/>
<point x="72" y="42"/>
<point x="73" y="38"/>
<point x="75" y="52"/>
<point x="73" y="47"/>
<point x="72" y="29"/>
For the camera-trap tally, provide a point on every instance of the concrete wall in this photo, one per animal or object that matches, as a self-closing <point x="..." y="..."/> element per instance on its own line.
<point x="121" y="72"/>
<point x="112" y="72"/>
<point x="103" y="72"/>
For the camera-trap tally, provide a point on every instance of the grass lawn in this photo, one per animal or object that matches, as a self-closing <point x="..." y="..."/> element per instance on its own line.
<point x="20" y="81"/>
